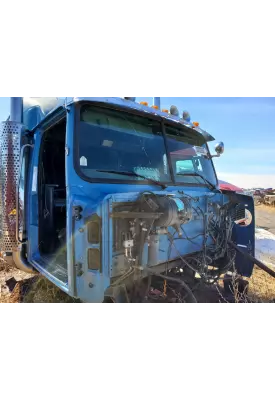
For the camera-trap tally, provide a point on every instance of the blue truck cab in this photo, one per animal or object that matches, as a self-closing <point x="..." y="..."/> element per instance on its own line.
<point x="98" y="194"/>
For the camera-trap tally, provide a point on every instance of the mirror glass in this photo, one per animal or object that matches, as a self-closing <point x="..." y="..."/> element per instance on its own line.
<point x="219" y="148"/>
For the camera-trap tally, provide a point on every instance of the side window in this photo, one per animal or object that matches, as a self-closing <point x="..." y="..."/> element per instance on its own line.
<point x="184" y="166"/>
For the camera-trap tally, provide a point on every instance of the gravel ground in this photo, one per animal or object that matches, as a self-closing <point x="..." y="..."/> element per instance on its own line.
<point x="265" y="218"/>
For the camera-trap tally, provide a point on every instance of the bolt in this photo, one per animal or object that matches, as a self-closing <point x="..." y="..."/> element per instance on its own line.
<point x="80" y="230"/>
<point x="91" y="285"/>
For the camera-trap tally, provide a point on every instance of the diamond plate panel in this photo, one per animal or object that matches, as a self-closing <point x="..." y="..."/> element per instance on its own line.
<point x="10" y="133"/>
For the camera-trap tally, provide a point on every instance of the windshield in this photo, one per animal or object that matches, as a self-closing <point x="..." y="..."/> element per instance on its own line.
<point x="111" y="141"/>
<point x="115" y="141"/>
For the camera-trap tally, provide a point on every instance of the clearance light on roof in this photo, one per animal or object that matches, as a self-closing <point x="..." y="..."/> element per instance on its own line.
<point x="186" y="116"/>
<point x="155" y="107"/>
<point x="144" y="103"/>
<point x="165" y="111"/>
<point x="196" y="124"/>
<point x="174" y="111"/>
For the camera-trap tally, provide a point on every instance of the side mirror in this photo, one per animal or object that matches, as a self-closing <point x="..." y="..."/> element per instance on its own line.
<point x="219" y="148"/>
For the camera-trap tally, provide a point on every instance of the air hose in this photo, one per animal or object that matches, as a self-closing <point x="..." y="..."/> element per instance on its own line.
<point x="253" y="259"/>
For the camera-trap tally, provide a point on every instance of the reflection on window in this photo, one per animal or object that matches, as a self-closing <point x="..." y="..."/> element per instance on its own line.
<point x="184" y="166"/>
<point x="189" y="155"/>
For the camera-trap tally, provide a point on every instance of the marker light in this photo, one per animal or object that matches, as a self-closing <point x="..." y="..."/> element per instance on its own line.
<point x="144" y="103"/>
<point x="155" y="107"/>
<point x="196" y="124"/>
<point x="165" y="111"/>
<point x="186" y="116"/>
<point x="174" y="111"/>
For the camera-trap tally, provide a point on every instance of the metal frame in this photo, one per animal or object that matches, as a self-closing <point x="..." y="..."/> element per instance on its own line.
<point x="17" y="191"/>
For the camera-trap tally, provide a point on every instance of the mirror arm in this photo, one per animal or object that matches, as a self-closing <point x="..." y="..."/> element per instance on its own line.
<point x="214" y="155"/>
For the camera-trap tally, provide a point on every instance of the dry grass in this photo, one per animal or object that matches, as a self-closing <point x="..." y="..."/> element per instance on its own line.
<point x="29" y="288"/>
<point x="43" y="291"/>
<point x="37" y="289"/>
<point x="261" y="287"/>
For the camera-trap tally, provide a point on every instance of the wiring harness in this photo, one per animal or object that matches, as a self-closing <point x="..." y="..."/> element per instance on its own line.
<point x="154" y="214"/>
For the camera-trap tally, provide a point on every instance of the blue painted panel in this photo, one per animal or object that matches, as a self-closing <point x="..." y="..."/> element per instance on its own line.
<point x="245" y="237"/>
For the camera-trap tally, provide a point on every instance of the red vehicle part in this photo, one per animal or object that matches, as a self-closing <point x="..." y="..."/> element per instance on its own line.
<point x="228" y="186"/>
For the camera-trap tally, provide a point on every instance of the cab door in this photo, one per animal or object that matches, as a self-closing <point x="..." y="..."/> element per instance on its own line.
<point x="41" y="204"/>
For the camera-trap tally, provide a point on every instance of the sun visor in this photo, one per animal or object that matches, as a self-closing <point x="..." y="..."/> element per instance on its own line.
<point x="207" y="136"/>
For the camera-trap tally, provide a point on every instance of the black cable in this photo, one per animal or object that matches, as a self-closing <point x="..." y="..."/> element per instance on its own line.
<point x="195" y="209"/>
<point x="182" y="259"/>
<point x="251" y="258"/>
<point x="169" y="251"/>
<point x="205" y="256"/>
<point x="190" y="239"/>
<point x="188" y="195"/>
<point x="203" y="214"/>
<point x="219" y="240"/>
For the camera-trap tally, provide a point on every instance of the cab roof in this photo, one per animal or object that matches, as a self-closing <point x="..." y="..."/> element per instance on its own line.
<point x="36" y="109"/>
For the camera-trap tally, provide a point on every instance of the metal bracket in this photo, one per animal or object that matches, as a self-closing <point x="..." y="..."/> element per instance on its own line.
<point x="79" y="271"/>
<point x="77" y="212"/>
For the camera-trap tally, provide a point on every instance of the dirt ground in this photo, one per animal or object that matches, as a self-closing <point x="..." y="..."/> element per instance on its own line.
<point x="265" y="218"/>
<point x="19" y="287"/>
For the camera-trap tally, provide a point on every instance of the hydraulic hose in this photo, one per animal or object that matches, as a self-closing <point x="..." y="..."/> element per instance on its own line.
<point x="251" y="258"/>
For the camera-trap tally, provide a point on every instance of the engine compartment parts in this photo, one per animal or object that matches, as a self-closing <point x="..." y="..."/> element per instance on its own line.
<point x="163" y="211"/>
<point x="153" y="231"/>
<point x="143" y="222"/>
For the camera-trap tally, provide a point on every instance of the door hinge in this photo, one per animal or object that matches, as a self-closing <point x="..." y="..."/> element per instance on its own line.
<point x="77" y="212"/>
<point x="78" y="268"/>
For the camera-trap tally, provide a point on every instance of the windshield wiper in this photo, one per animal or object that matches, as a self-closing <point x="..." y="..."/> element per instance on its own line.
<point x="132" y="173"/>
<point x="211" y="186"/>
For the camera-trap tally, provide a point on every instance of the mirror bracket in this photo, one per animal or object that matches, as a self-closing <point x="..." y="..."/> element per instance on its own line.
<point x="215" y="155"/>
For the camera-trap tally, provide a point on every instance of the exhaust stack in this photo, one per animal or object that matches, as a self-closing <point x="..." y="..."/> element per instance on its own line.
<point x="157" y="101"/>
<point x="10" y="139"/>
<point x="16" y="109"/>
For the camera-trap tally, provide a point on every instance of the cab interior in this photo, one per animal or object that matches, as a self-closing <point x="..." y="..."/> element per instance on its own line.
<point x="52" y="196"/>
